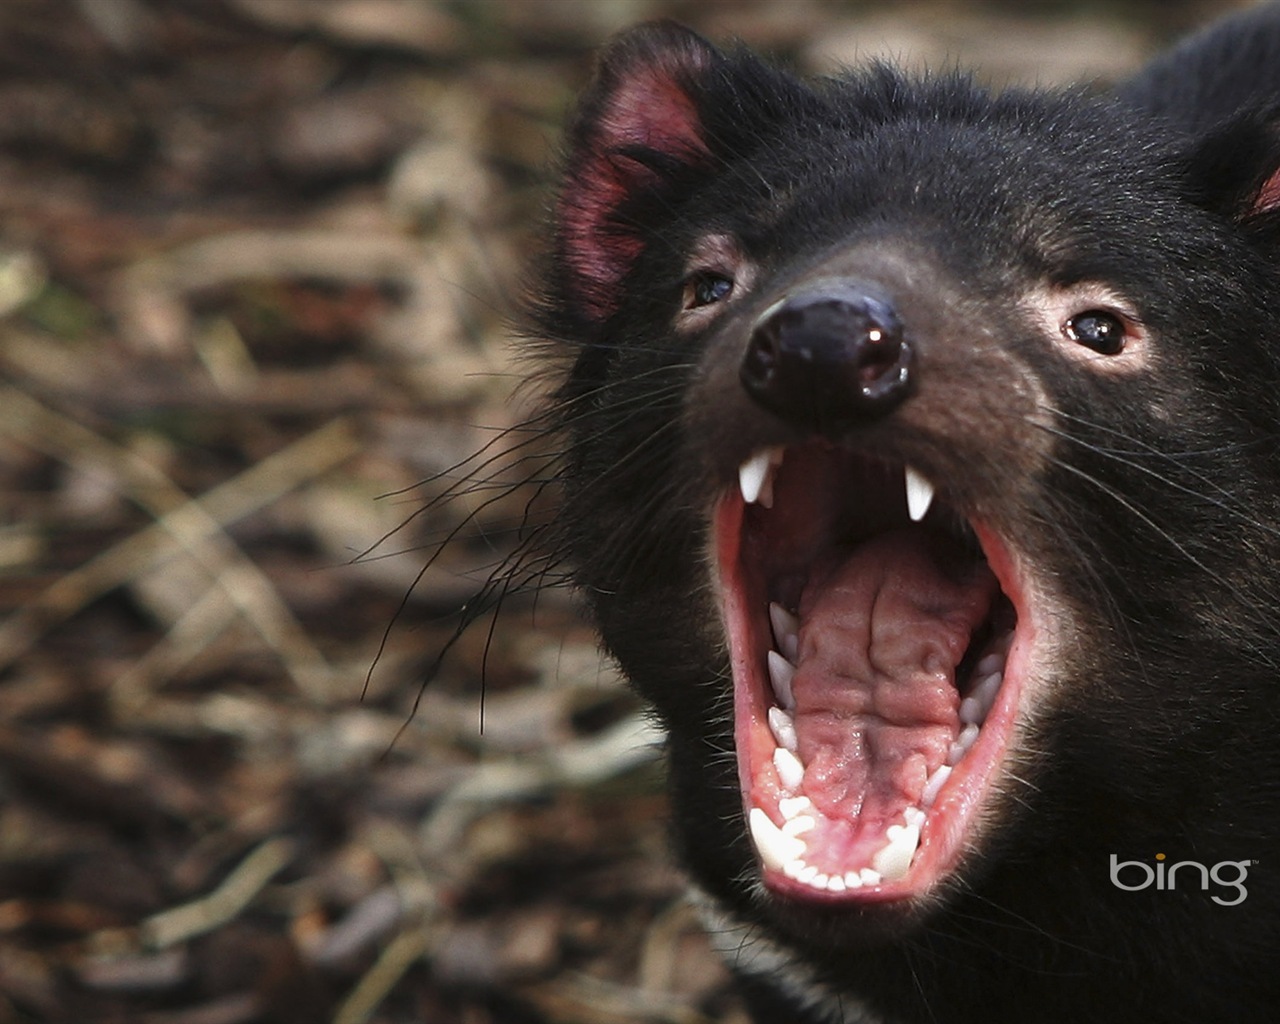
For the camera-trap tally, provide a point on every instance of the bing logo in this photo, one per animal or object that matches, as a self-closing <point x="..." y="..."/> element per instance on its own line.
<point x="1230" y="874"/>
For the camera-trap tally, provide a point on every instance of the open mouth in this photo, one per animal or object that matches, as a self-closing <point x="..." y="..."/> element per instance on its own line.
<point x="877" y="639"/>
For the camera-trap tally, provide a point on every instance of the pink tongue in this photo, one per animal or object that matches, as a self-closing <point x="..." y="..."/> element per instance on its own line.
<point x="881" y="633"/>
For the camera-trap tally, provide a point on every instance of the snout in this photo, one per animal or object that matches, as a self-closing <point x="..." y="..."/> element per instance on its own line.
<point x="829" y="358"/>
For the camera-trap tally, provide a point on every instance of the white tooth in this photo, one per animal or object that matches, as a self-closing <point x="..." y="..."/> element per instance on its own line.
<point x="967" y="738"/>
<point x="781" y="672"/>
<point x="919" y="495"/>
<point x="852" y="880"/>
<point x="972" y="712"/>
<point x="993" y="662"/>
<point x="869" y="877"/>
<point x="819" y="881"/>
<point x="791" y="806"/>
<point x="786" y="631"/>
<point x="751" y="476"/>
<point x="798" y="825"/>
<point x="776" y="850"/>
<point x="914" y="816"/>
<point x="893" y="860"/>
<point x="783" y="728"/>
<point x="755" y="476"/>
<point x="835" y="883"/>
<point x="936" y="781"/>
<point x="766" y="489"/>
<point x="807" y="875"/>
<point x="792" y="868"/>
<point x="985" y="692"/>
<point x="790" y="770"/>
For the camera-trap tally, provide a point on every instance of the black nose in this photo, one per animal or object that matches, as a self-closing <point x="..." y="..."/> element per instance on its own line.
<point x="829" y="359"/>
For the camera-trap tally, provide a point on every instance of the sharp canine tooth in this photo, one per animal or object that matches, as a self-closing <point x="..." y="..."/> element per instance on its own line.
<point x="893" y="860"/>
<point x="786" y="631"/>
<point x="781" y="672"/>
<point x="783" y="728"/>
<point x="790" y="770"/>
<point x="919" y="495"/>
<point x="936" y="781"/>
<point x="776" y="849"/>
<point x="751" y="476"/>
<point x="755" y="476"/>
<point x="766" y="489"/>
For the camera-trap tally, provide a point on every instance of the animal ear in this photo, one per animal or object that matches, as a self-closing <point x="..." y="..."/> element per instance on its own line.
<point x="638" y="136"/>
<point x="1267" y="197"/>
<point x="1235" y="171"/>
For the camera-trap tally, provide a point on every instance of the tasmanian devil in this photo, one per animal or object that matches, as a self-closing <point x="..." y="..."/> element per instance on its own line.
<point x="921" y="468"/>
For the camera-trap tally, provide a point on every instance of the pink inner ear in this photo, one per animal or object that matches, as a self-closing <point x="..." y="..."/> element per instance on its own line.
<point x="648" y="109"/>
<point x="651" y="109"/>
<point x="1268" y="197"/>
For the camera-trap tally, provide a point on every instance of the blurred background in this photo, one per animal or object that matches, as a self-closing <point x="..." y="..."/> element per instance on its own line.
<point x="257" y="266"/>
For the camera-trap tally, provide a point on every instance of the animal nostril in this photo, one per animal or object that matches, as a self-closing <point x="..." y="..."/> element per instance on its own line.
<point x="829" y="359"/>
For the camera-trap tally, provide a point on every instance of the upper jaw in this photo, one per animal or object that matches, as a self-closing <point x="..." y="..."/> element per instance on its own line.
<point x="871" y="745"/>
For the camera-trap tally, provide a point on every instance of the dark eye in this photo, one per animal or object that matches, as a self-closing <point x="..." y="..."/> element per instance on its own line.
<point x="1097" y="329"/>
<point x="706" y="288"/>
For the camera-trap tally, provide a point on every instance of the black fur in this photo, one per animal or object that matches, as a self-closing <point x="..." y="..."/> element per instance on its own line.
<point x="1146" y="501"/>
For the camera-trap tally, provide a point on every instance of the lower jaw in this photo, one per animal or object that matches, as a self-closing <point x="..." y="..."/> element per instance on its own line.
<point x="948" y="825"/>
<point x="947" y="828"/>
